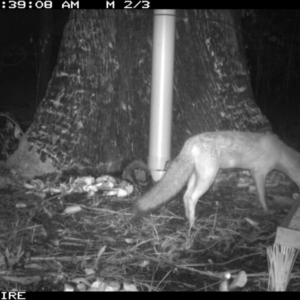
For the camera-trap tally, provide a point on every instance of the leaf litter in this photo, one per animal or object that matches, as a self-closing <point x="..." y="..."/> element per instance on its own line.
<point x="88" y="241"/>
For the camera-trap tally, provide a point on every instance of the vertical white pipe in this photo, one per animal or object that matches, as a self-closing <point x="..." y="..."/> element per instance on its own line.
<point x="161" y="91"/>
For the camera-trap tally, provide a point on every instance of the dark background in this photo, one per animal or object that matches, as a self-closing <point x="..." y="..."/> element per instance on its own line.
<point x="20" y="45"/>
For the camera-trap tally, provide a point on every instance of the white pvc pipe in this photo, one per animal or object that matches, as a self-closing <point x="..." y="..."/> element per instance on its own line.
<point x="161" y="91"/>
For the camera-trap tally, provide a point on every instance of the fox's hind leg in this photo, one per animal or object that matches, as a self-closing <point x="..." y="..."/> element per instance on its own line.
<point x="260" y="179"/>
<point x="187" y="194"/>
<point x="197" y="186"/>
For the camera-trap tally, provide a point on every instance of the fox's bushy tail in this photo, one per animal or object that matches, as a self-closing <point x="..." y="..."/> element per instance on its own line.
<point x="172" y="182"/>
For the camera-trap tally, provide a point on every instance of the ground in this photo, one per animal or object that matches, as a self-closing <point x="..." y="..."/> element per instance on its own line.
<point x="98" y="245"/>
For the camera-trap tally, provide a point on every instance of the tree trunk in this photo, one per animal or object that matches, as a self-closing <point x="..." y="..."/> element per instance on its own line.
<point x="96" y="110"/>
<point x="45" y="53"/>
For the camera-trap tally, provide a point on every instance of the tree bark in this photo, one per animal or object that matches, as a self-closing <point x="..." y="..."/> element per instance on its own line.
<point x="96" y="110"/>
<point x="45" y="53"/>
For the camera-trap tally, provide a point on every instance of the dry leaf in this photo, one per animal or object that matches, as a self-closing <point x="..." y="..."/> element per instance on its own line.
<point x="113" y="287"/>
<point x="239" y="281"/>
<point x="72" y="209"/>
<point x="251" y="222"/>
<point x="129" y="287"/>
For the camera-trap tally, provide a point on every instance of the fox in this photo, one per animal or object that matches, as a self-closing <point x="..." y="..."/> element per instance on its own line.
<point x="204" y="154"/>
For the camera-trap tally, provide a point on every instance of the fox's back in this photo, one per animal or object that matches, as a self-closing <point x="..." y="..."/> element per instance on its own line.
<point x="234" y="149"/>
